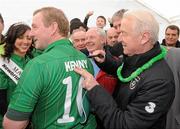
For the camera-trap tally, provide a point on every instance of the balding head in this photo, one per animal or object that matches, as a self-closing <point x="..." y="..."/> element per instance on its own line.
<point x="112" y="36"/>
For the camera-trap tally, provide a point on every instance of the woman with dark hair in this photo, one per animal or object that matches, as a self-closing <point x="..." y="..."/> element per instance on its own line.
<point x="17" y="52"/>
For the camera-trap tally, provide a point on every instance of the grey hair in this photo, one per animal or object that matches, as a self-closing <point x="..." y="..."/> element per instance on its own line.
<point x="100" y="31"/>
<point x="146" y="22"/>
<point x="119" y="14"/>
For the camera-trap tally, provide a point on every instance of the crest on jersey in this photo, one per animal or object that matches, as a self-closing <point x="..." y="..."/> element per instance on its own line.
<point x="134" y="82"/>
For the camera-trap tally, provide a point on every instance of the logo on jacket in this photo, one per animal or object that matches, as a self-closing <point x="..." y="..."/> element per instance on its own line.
<point x="134" y="82"/>
<point x="150" y="107"/>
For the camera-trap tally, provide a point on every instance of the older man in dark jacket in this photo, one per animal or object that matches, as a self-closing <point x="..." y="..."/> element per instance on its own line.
<point x="145" y="90"/>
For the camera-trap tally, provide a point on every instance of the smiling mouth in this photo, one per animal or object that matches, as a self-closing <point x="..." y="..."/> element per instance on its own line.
<point x="25" y="47"/>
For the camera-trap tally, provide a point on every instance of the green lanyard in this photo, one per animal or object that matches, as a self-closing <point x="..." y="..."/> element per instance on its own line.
<point x="142" y="68"/>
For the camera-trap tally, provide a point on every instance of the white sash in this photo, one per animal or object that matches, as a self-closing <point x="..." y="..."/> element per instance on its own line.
<point x="11" y="69"/>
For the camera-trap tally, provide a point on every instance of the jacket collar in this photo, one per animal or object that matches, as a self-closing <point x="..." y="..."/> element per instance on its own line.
<point x="136" y="61"/>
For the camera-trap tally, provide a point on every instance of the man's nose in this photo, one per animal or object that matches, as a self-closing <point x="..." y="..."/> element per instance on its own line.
<point x="119" y="38"/>
<point x="31" y="33"/>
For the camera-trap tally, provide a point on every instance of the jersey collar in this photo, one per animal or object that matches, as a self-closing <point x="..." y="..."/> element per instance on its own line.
<point x="17" y="58"/>
<point x="56" y="43"/>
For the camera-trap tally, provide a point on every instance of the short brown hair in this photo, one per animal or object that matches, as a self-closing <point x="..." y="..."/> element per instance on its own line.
<point x="102" y="18"/>
<point x="51" y="14"/>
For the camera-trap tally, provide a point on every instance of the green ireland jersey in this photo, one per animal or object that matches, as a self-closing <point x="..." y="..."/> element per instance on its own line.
<point x="36" y="52"/>
<point x="51" y="90"/>
<point x="5" y="80"/>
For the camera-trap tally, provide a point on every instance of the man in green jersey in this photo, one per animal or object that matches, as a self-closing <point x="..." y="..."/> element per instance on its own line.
<point x="49" y="91"/>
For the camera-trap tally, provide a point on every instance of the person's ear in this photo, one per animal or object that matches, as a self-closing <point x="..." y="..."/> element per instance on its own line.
<point x="145" y="38"/>
<point x="54" y="28"/>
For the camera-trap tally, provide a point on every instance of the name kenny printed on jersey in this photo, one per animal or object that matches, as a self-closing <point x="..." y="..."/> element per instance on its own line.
<point x="70" y="65"/>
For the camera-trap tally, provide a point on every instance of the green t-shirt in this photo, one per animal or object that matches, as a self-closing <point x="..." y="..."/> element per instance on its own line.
<point x="6" y="82"/>
<point x="48" y="88"/>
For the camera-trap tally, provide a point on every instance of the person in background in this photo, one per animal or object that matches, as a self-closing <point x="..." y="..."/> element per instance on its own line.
<point x="171" y="36"/>
<point x="76" y="24"/>
<point x="145" y="89"/>
<point x="90" y="13"/>
<point x="95" y="40"/>
<point x="75" y="20"/>
<point x="17" y="52"/>
<point x="116" y="19"/>
<point x="112" y="36"/>
<point x="78" y="39"/>
<point x="117" y="49"/>
<point x="1" y="36"/>
<point x="100" y="20"/>
<point x="49" y="91"/>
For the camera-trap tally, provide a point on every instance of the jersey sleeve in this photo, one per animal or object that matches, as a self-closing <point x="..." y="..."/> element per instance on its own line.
<point x="28" y="89"/>
<point x="3" y="80"/>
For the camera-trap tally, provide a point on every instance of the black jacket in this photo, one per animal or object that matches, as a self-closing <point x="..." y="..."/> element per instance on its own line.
<point x="177" y="43"/>
<point x="116" y="50"/>
<point x="142" y="103"/>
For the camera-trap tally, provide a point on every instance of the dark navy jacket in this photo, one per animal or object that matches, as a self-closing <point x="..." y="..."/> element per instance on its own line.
<point x="143" y="102"/>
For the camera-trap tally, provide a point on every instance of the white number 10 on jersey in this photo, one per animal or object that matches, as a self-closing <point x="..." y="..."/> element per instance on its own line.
<point x="67" y="105"/>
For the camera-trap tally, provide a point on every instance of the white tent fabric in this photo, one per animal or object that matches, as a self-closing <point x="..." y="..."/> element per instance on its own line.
<point x="166" y="12"/>
<point x="170" y="10"/>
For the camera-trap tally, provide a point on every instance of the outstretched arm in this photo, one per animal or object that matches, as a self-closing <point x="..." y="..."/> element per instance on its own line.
<point x="150" y="104"/>
<point x="12" y="124"/>
<point x="90" y="13"/>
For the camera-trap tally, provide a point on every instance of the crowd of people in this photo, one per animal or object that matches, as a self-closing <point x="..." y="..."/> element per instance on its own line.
<point x="60" y="74"/>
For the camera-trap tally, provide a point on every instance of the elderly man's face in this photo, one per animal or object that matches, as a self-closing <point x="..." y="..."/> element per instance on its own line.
<point x="131" y="40"/>
<point x="112" y="36"/>
<point x="93" y="40"/>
